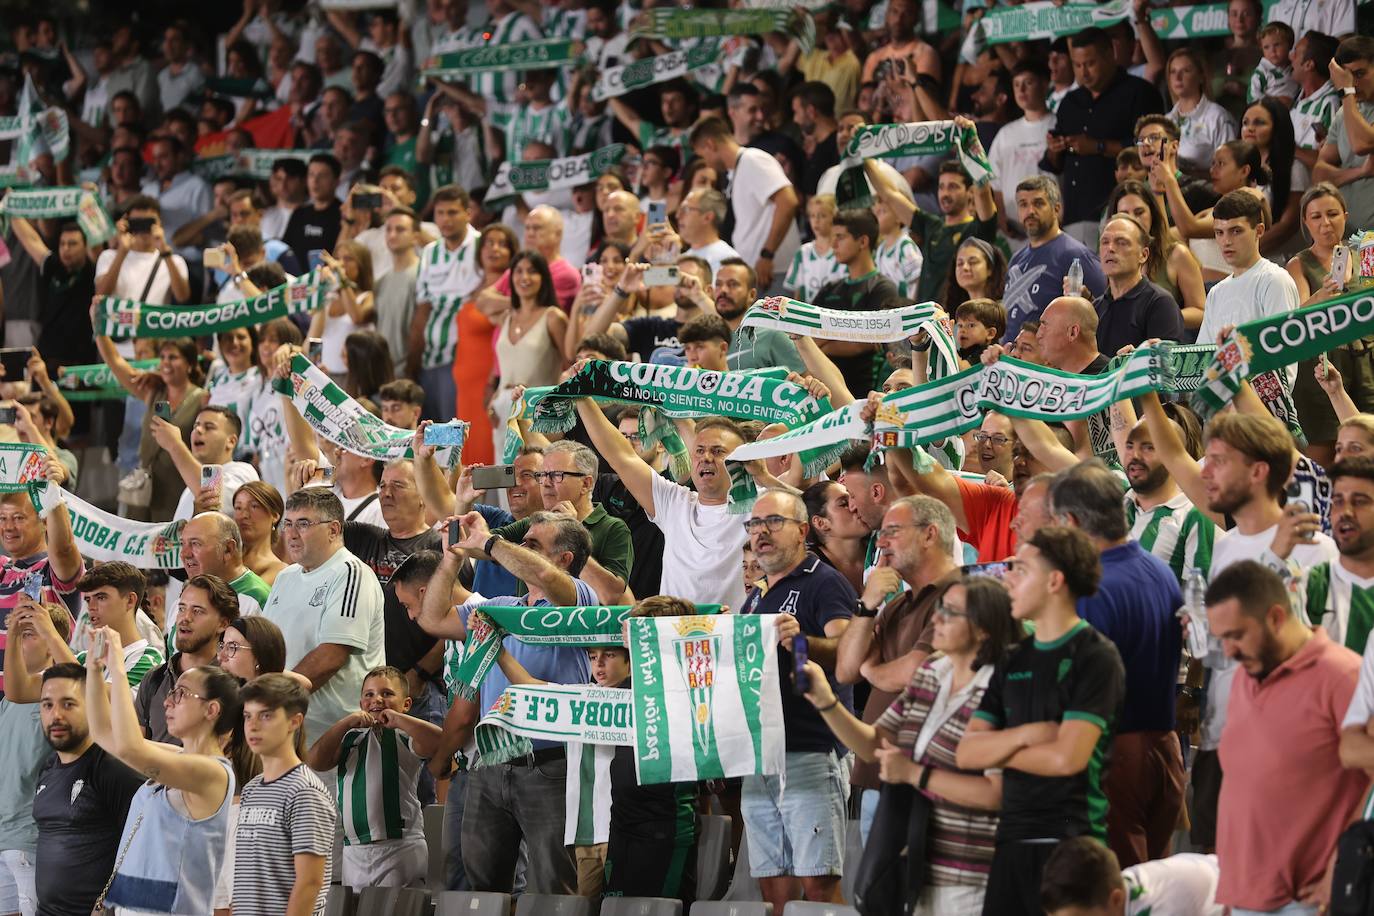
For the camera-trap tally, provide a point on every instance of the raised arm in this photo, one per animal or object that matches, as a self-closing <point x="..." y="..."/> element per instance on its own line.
<point x="33" y="243"/>
<point x="125" y="374"/>
<point x="323" y="755"/>
<point x="523" y="563"/>
<point x="1165" y="173"/>
<point x="1184" y="469"/>
<point x="823" y="369"/>
<point x="437" y="614"/>
<point x="430" y="480"/>
<point x="637" y="476"/>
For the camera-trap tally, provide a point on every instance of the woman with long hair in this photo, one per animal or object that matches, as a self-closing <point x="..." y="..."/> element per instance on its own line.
<point x="251" y="646"/>
<point x="236" y="378"/>
<point x="1324" y="222"/>
<point x="175" y="837"/>
<point x="265" y="432"/>
<point x="474" y="362"/>
<point x="241" y="62"/>
<point x="347" y="309"/>
<point x="1235" y="165"/>
<point x="1172" y="266"/>
<point x="1203" y="124"/>
<point x="177" y="381"/>
<point x="529" y="342"/>
<point x="258" y="509"/>
<point x="367" y="357"/>
<point x="978" y="271"/>
<point x="611" y="256"/>
<point x="1267" y="125"/>
<point x="916" y="739"/>
<point x="836" y="534"/>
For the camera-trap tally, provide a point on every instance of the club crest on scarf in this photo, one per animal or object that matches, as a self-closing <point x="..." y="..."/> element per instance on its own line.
<point x="696" y="655"/>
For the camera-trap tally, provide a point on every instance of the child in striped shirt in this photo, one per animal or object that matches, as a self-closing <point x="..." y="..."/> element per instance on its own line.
<point x="378" y="753"/>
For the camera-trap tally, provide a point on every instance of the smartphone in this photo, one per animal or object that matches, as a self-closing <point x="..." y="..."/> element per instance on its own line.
<point x="658" y="212"/>
<point x="445" y="434"/>
<point x="455" y="532"/>
<point x="1340" y="265"/>
<point x="140" y="225"/>
<point x="314" y="349"/>
<point x="98" y="644"/>
<point x="367" y="201"/>
<point x="16" y="362"/>
<point x="163" y="409"/>
<point x="591" y="274"/>
<point x="8" y="414"/>
<point x="1299" y="494"/>
<point x="314" y="258"/>
<point x="214" y="258"/>
<point x="211" y="477"/>
<point x="801" y="681"/>
<point x="901" y="66"/>
<point x="992" y="570"/>
<point x="661" y="275"/>
<point x="33" y="586"/>
<point x="326" y="475"/>
<point x="494" y="477"/>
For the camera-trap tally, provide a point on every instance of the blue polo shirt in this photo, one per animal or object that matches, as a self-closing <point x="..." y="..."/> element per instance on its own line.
<point x="815" y="594"/>
<point x="1135" y="607"/>
<point x="488" y="576"/>
<point x="555" y="664"/>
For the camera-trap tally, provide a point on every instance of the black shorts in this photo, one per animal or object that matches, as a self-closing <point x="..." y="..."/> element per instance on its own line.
<point x="1014" y="881"/>
<point x="1206" y="792"/>
<point x="641" y="867"/>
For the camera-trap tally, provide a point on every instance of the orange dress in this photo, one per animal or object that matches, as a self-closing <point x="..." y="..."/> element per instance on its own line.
<point x="473" y="365"/>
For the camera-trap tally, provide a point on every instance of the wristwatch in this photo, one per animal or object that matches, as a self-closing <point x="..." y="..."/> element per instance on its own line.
<point x="863" y="610"/>
<point x="1348" y="90"/>
<point x="491" y="542"/>
<point x="766" y="253"/>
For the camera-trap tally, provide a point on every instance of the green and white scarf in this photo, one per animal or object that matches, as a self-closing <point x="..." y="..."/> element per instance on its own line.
<point x="338" y="418"/>
<point x="96" y="382"/>
<point x="676" y="24"/>
<point x="104" y="537"/>
<point x="616" y="81"/>
<point x="1202" y="20"/>
<point x="125" y="318"/>
<point x="547" y="54"/>
<point x="707" y="704"/>
<point x="49" y="203"/>
<point x="579" y="713"/>
<point x="778" y="313"/>
<point x="919" y="138"/>
<point x="23" y="469"/>
<point x="554" y="174"/>
<point x="35" y="127"/>
<point x="257" y="163"/>
<point x="1039" y="20"/>
<point x="212" y="168"/>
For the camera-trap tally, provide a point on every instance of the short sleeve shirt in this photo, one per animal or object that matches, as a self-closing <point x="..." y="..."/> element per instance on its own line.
<point x="939" y="242"/>
<point x="1035" y="276"/>
<point x="291" y="815"/>
<point x="13" y="574"/>
<point x="756" y="178"/>
<point x="447" y="277"/>
<point x="701" y="546"/>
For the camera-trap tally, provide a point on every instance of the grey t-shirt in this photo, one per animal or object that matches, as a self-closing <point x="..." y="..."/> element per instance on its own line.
<point x="1359" y="194"/>
<point x="754" y="348"/>
<point x="394" y="297"/>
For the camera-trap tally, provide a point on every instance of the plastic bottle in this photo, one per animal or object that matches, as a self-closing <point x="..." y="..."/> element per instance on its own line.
<point x="1194" y="587"/>
<point x="1075" y="277"/>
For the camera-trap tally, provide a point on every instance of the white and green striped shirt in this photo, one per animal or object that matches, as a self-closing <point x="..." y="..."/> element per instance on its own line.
<point x="1174" y="531"/>
<point x="587" y="814"/>
<point x="378" y="777"/>
<point x="1342" y="603"/>
<point x="550" y="124"/>
<point x="565" y="23"/>
<point x="139" y="658"/>
<point x="810" y="271"/>
<point x="1312" y="116"/>
<point x="236" y="391"/>
<point x="499" y="87"/>
<point x="900" y="261"/>
<point x="445" y="280"/>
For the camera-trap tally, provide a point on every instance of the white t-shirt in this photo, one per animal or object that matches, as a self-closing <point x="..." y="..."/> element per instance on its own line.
<point x="375" y="241"/>
<point x="339" y="602"/>
<point x="274" y="220"/>
<point x="831" y="177"/>
<point x="1229" y="548"/>
<point x="1263" y="290"/>
<point x="1183" y="883"/>
<point x="756" y="178"/>
<point x="702" y="546"/>
<point x="1201" y="131"/>
<point x="1361" y="708"/>
<point x="133" y="275"/>
<point x="1330" y="17"/>
<point x="372" y="512"/>
<point x="577" y="236"/>
<point x="1015" y="154"/>
<point x="236" y="474"/>
<point x="714" y="253"/>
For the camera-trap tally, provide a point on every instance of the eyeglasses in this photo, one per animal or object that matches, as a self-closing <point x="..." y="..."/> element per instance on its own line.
<point x="179" y="694"/>
<point x="556" y="477"/>
<point x="890" y="532"/>
<point x="633" y="438"/>
<point x="1149" y="140"/>
<point x="773" y="523"/>
<point x="230" y="649"/>
<point x="301" y="525"/>
<point x="998" y="439"/>
<point x="945" y="613"/>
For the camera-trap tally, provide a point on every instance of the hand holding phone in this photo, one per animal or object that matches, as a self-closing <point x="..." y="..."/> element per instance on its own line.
<point x="455" y="532"/>
<point x="98" y="645"/>
<point x="314" y="349"/>
<point x="163" y="410"/>
<point x="214" y="258"/>
<point x="8" y="414"/>
<point x="658" y="212"/>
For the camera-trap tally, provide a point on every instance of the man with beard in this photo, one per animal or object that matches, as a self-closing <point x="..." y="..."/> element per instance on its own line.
<point x="1249" y="459"/>
<point x="813" y="111"/>
<point x="1161" y="517"/>
<point x="758" y="348"/>
<point x="653" y="338"/>
<point x="677" y="104"/>
<point x="207" y="606"/>
<point x="81" y="802"/>
<point x="1340" y="593"/>
<point x="1286" y="797"/>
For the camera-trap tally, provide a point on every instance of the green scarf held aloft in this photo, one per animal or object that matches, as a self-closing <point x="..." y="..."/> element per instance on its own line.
<point x="552" y="712"/>
<point x="677" y="24"/>
<point x="553" y="174"/>
<point x="919" y="138"/>
<point x="1039" y="21"/>
<point x="616" y="81"/>
<point x="126" y="318"/>
<point x="257" y="163"/>
<point x="545" y="54"/>
<point x="50" y="203"/>
<point x="778" y="313"/>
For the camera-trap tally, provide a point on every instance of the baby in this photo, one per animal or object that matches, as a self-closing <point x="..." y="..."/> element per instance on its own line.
<point x="1274" y="75"/>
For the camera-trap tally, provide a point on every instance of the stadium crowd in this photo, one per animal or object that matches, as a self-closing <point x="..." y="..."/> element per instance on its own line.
<point x="1109" y="664"/>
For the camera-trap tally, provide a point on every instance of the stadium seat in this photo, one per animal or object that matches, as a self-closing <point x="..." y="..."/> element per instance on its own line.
<point x="731" y="908"/>
<point x="640" y="906"/>
<point x="337" y="871"/>
<point x="853" y="852"/>
<point x="472" y="903"/>
<point x="744" y="887"/>
<point x="393" y="901"/>
<point x="552" y="905"/>
<point x="434" y="837"/>
<point x="806" y="908"/>
<point x="340" y="901"/>
<point x="713" y="856"/>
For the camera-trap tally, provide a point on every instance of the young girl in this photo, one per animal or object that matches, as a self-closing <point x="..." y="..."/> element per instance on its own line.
<point x="814" y="264"/>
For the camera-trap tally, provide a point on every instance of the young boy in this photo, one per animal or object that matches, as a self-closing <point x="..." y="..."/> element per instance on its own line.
<point x="977" y="324"/>
<point x="1083" y="878"/>
<point x="379" y="753"/>
<point x="1129" y="166"/>
<point x="897" y="257"/>
<point x="1274" y="75"/>
<point x="285" y="835"/>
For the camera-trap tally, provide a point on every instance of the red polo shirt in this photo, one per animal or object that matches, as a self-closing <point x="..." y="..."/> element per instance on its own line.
<point x="990" y="511"/>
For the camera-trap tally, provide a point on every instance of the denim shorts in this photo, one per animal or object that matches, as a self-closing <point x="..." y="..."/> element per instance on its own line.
<point x="797" y="829"/>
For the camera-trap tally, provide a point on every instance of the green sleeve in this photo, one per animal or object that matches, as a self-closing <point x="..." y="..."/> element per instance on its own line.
<point x="514" y="532"/>
<point x="616" y="552"/>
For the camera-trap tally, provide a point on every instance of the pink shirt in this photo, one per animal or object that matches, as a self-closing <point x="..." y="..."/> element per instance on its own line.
<point x="1285" y="798"/>
<point x="567" y="281"/>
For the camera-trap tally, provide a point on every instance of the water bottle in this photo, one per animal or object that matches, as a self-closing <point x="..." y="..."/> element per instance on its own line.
<point x="1075" y="277"/>
<point x="1194" y="587"/>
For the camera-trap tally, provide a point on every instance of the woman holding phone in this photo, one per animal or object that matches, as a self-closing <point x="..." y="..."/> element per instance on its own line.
<point x="529" y="341"/>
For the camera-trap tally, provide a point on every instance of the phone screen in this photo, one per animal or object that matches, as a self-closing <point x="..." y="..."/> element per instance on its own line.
<point x="455" y="533"/>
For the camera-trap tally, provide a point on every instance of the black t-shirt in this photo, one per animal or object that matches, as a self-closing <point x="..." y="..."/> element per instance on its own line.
<point x="66" y="338"/>
<point x="80" y="808"/>
<point x="655" y="339"/>
<point x="406" y="642"/>
<point x="312" y="230"/>
<point x="647" y="570"/>
<point x="825" y="155"/>
<point x="1145" y="311"/>
<point x="815" y="593"/>
<point x="1078" y="676"/>
<point x="869" y="293"/>
<point x="649" y="813"/>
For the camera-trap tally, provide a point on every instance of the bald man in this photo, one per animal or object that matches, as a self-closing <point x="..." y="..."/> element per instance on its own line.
<point x="211" y="545"/>
<point x="621" y="218"/>
<point x="1068" y="336"/>
<point x="544" y="234"/>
